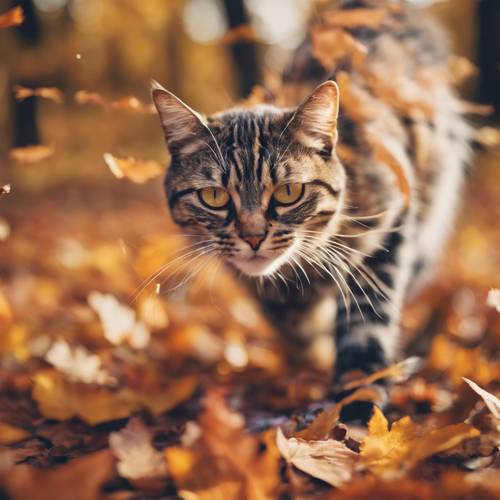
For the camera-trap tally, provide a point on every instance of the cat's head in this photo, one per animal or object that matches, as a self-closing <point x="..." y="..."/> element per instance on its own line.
<point x="260" y="187"/>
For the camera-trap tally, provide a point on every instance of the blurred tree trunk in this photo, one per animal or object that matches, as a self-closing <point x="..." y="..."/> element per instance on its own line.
<point x="489" y="52"/>
<point x="244" y="54"/>
<point x="25" y="127"/>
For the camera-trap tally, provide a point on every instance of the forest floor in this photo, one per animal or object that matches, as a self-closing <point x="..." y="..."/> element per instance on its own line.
<point x="109" y="389"/>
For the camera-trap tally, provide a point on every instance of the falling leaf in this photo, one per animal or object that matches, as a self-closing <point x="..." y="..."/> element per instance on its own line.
<point x="118" y="321"/>
<point x="242" y="33"/>
<point x="77" y="363"/>
<point x="13" y="17"/>
<point x="329" y="460"/>
<point x="133" y="448"/>
<point x="135" y="170"/>
<point x="32" y="154"/>
<point x="398" y="373"/>
<point x="491" y="401"/>
<point x="331" y="46"/>
<point x="80" y="479"/>
<point x="10" y="434"/>
<point x="493" y="299"/>
<point x="86" y="97"/>
<point x="356" y="18"/>
<point x="51" y="93"/>
<point x="5" y="189"/>
<point x="388" y="453"/>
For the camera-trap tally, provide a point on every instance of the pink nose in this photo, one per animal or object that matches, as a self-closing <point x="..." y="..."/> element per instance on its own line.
<point x="254" y="240"/>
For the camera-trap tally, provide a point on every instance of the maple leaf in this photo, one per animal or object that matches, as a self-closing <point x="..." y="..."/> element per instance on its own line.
<point x="51" y="93"/>
<point x="491" y="401"/>
<point x="328" y="460"/>
<point x="77" y="363"/>
<point x="388" y="453"/>
<point x="32" y="154"/>
<point x="13" y="17"/>
<point x="118" y="321"/>
<point x="135" y="170"/>
<point x="133" y="448"/>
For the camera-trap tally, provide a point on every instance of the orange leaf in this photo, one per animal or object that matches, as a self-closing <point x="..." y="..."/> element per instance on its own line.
<point x="13" y="17"/>
<point x="32" y="154"/>
<point x="135" y="170"/>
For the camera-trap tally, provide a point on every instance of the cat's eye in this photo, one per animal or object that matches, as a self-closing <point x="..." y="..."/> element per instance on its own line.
<point x="288" y="194"/>
<point x="214" y="197"/>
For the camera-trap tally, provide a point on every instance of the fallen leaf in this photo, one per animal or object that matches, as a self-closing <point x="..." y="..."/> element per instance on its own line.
<point x="242" y="33"/>
<point x="389" y="453"/>
<point x="133" y="448"/>
<point x="493" y="299"/>
<point x="77" y="363"/>
<point x="13" y="17"/>
<point x="118" y="321"/>
<point x="331" y="46"/>
<point x="32" y="154"/>
<point x="51" y="93"/>
<point x="491" y="401"/>
<point x="10" y="434"/>
<point x="130" y="168"/>
<point x="398" y="373"/>
<point x="80" y="479"/>
<point x="328" y="460"/>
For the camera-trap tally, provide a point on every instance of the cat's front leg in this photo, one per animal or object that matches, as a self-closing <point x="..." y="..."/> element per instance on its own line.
<point x="367" y="328"/>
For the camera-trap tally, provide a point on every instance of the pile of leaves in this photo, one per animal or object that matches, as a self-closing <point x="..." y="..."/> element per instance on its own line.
<point x="132" y="366"/>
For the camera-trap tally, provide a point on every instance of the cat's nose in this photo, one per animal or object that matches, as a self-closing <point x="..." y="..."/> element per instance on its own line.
<point x="254" y="240"/>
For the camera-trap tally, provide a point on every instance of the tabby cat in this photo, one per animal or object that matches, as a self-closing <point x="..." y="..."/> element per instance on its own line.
<point x="336" y="209"/>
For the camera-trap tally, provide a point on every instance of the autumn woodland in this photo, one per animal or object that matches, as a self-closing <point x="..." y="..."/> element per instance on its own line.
<point x="130" y="372"/>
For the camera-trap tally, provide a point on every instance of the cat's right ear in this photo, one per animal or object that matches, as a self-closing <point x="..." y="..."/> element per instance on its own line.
<point x="183" y="127"/>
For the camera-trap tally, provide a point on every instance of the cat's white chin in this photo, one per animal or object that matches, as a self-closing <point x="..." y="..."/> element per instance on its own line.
<point x="257" y="265"/>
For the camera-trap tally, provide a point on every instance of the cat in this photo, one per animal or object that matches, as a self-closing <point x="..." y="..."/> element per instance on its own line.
<point x="336" y="209"/>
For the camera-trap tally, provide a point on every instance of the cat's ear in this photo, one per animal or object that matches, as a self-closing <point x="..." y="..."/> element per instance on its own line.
<point x="314" y="123"/>
<point x="183" y="127"/>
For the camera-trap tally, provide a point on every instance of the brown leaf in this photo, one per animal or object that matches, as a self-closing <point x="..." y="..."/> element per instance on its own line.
<point x="328" y="460"/>
<point x="51" y="93"/>
<point x="133" y="448"/>
<point x="13" y="17"/>
<point x="242" y="33"/>
<point x="32" y="154"/>
<point x="135" y="170"/>
<point x="80" y="479"/>
<point x="330" y="46"/>
<point x="388" y="453"/>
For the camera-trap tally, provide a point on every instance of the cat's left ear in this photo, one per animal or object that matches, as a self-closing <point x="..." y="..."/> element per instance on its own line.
<point x="184" y="128"/>
<point x="314" y="124"/>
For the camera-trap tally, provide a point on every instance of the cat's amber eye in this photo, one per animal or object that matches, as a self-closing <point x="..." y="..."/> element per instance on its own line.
<point x="214" y="197"/>
<point x="288" y="194"/>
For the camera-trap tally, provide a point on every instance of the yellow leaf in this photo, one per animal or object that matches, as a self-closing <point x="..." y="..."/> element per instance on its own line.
<point x="135" y="170"/>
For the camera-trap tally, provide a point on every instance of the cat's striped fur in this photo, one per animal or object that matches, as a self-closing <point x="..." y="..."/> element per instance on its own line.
<point x="377" y="206"/>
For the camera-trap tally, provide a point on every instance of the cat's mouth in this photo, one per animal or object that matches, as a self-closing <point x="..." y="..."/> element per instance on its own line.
<point x="259" y="264"/>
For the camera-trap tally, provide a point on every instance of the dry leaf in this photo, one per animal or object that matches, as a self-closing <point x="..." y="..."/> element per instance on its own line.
<point x="133" y="448"/>
<point x="135" y="170"/>
<point x="242" y="33"/>
<point x="331" y="46"/>
<point x="493" y="299"/>
<point x="329" y="460"/>
<point x="399" y="373"/>
<point x="388" y="453"/>
<point x="32" y="154"/>
<point x="356" y="18"/>
<point x="118" y="321"/>
<point x="77" y="363"/>
<point x="13" y="17"/>
<point x="491" y="401"/>
<point x="80" y="479"/>
<point x="51" y="93"/>
<point x="86" y="97"/>
<point x="5" y="189"/>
